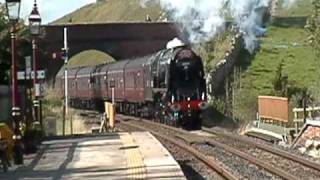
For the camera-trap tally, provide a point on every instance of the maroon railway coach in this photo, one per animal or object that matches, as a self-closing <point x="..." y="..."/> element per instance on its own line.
<point x="168" y="86"/>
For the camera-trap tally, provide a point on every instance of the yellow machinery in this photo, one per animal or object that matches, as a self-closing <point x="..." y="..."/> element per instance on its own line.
<point x="6" y="135"/>
<point x="110" y="113"/>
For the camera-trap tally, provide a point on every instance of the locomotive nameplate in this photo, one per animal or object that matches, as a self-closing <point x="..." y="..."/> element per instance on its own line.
<point x="185" y="54"/>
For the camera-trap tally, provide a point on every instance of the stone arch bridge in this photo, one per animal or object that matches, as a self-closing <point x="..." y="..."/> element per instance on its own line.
<point x="119" y="40"/>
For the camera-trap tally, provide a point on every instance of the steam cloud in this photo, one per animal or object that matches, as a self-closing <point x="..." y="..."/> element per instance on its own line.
<point x="204" y="19"/>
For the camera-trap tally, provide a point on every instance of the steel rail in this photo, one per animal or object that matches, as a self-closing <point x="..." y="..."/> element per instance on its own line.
<point x="232" y="150"/>
<point x="253" y="160"/>
<point x="203" y="158"/>
<point x="236" y="152"/>
<point x="270" y="149"/>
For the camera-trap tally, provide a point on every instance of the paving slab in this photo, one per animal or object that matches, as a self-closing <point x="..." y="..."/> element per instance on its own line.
<point x="112" y="156"/>
<point x="158" y="161"/>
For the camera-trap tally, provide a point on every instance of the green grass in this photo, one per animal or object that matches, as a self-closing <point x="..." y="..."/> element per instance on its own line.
<point x="90" y="58"/>
<point x="112" y="11"/>
<point x="130" y="10"/>
<point x="300" y="8"/>
<point x="287" y="45"/>
<point x="53" y="116"/>
<point x="282" y="45"/>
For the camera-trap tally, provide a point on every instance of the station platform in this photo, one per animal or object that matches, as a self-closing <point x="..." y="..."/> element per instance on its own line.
<point x="136" y="155"/>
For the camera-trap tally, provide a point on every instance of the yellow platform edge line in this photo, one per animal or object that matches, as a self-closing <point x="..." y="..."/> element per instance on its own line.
<point x="135" y="162"/>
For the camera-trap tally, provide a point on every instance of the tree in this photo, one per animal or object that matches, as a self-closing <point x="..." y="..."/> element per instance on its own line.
<point x="4" y="48"/>
<point x="280" y="81"/>
<point x="24" y="45"/>
<point x="313" y="27"/>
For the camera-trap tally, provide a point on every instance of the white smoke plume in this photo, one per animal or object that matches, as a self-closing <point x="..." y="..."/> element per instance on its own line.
<point x="203" y="19"/>
<point x="248" y="15"/>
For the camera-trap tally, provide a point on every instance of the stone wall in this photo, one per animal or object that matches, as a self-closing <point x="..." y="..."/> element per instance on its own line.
<point x="224" y="67"/>
<point x="308" y="141"/>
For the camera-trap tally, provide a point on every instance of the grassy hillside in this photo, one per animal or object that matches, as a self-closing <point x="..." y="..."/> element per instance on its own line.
<point x="90" y="58"/>
<point x="112" y="11"/>
<point x="284" y="46"/>
<point x="300" y="8"/>
<point x="131" y="10"/>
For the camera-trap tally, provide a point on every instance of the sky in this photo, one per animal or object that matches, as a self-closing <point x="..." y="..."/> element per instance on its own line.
<point x="51" y="10"/>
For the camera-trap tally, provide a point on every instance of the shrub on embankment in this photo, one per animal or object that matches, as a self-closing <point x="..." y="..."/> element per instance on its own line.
<point x="53" y="114"/>
<point x="257" y="74"/>
<point x="285" y="48"/>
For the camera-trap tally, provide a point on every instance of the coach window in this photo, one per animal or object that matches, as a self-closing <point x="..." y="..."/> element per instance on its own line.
<point x="117" y="83"/>
<point x="138" y="79"/>
<point x="134" y="81"/>
<point x="121" y="82"/>
<point x="97" y="80"/>
<point x="93" y="80"/>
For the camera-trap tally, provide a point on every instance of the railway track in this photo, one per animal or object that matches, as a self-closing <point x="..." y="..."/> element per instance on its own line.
<point x="281" y="159"/>
<point x="206" y="160"/>
<point x="245" y="158"/>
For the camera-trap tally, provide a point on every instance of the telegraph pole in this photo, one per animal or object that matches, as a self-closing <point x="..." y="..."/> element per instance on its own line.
<point x="65" y="56"/>
<point x="66" y="69"/>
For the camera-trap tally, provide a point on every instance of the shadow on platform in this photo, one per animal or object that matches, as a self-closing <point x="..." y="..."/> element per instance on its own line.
<point x="91" y="157"/>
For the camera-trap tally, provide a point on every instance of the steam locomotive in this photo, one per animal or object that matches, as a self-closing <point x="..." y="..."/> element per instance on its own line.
<point x="168" y="86"/>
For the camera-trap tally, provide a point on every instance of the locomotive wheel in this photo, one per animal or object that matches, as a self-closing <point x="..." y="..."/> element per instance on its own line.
<point x="192" y="122"/>
<point x="174" y="123"/>
<point x="158" y="113"/>
<point x="196" y="121"/>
